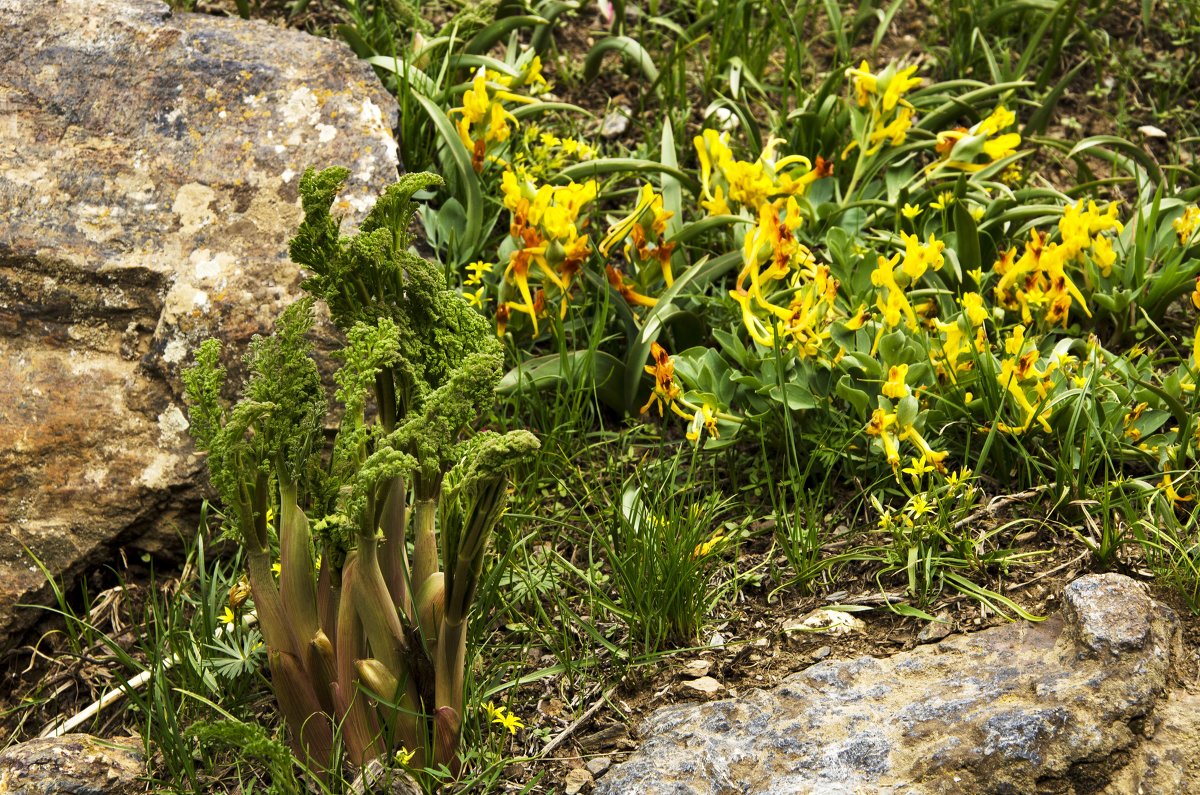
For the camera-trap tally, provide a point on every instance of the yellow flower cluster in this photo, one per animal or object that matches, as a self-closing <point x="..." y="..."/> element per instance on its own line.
<point x="890" y="115"/>
<point x="549" y="153"/>
<point x="976" y="148"/>
<point x="502" y="717"/>
<point x="777" y="267"/>
<point x="1027" y="385"/>
<point x="1185" y="226"/>
<point x="667" y="394"/>
<point x="483" y="119"/>
<point x="959" y="337"/>
<point x="895" y="275"/>
<point x="548" y="228"/>
<point x="1037" y="284"/>
<point x="642" y="231"/>
<point x="726" y="181"/>
<point x="896" y="423"/>
<point x="782" y="291"/>
<point x="476" y="271"/>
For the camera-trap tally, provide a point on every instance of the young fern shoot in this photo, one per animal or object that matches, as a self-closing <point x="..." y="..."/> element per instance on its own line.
<point x="351" y="611"/>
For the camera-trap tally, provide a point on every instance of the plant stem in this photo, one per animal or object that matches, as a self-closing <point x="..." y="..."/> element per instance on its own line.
<point x="393" y="558"/>
<point x="425" y="551"/>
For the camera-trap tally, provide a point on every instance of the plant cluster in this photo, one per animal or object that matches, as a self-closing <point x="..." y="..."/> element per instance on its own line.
<point x="378" y="539"/>
<point x="842" y="310"/>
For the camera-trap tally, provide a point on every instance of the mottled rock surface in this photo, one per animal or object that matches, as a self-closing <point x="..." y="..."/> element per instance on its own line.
<point x="1065" y="706"/>
<point x="74" y="764"/>
<point x="149" y="164"/>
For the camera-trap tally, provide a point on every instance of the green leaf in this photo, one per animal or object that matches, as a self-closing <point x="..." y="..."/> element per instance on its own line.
<point x="416" y="79"/>
<point x="468" y="180"/>
<point x="629" y="49"/>
<point x="626" y="165"/>
<point x="598" y="370"/>
<point x="486" y="38"/>
<point x="1131" y="150"/>
<point x="904" y="609"/>
<point x="857" y="398"/>
<point x="794" y="396"/>
<point x="969" y="256"/>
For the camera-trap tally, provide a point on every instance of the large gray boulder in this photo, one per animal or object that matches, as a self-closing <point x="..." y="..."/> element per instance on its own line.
<point x="149" y="164"/>
<point x="1065" y="706"/>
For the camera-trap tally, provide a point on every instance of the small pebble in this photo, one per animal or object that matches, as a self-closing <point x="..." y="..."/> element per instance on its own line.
<point x="598" y="765"/>
<point x="615" y="122"/>
<point x="705" y="684"/>
<point x="822" y="653"/>
<point x="576" y="781"/>
<point x="936" y="630"/>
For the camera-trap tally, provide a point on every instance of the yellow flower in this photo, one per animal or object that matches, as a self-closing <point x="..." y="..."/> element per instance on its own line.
<point x="228" y="619"/>
<point x="703" y="421"/>
<point x="477" y="299"/>
<point x="895" y="388"/>
<point x="883" y="93"/>
<point x="920" y="467"/>
<point x="708" y="546"/>
<point x="859" y="319"/>
<point x="404" y="757"/>
<point x="911" y="211"/>
<point x="865" y="84"/>
<point x="276" y="568"/>
<point x="882" y="424"/>
<point x="478" y="270"/>
<point x="1168" y="489"/>
<point x="972" y="304"/>
<point x="509" y="721"/>
<point x="961" y="148"/>
<point x="665" y="391"/>
<point x="958" y="478"/>
<point x="943" y="200"/>
<point x="918" y="506"/>
<point x="1186" y="224"/>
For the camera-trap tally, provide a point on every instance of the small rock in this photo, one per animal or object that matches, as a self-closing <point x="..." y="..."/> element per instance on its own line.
<point x="936" y="630"/>
<point x="615" y="122"/>
<point x="830" y="622"/>
<point x="1150" y="131"/>
<point x="726" y="119"/>
<point x="822" y="653"/>
<point x="716" y="640"/>
<point x="577" y="780"/>
<point x="705" y="684"/>
<point x="598" y="765"/>
<point x="74" y="763"/>
<point x="1108" y="613"/>
<point x="696" y="668"/>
